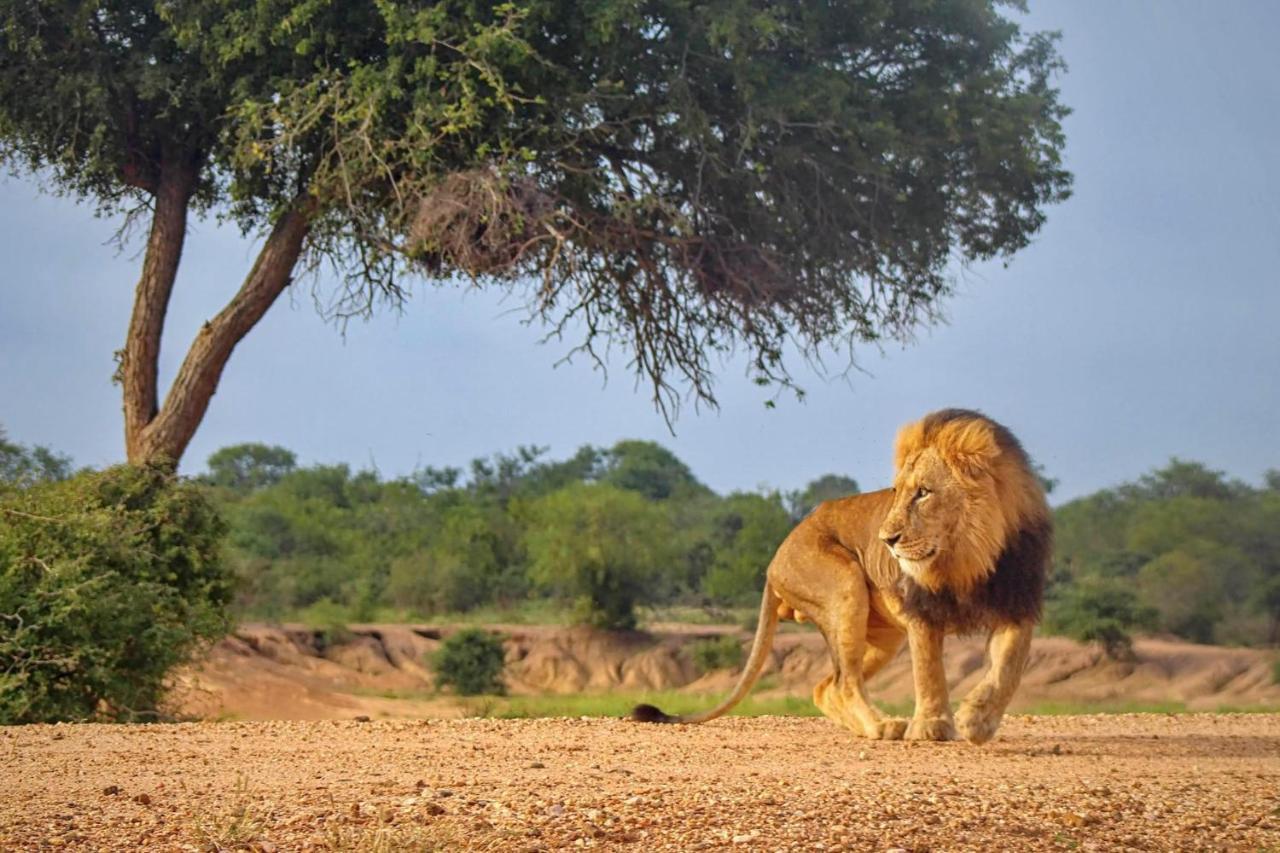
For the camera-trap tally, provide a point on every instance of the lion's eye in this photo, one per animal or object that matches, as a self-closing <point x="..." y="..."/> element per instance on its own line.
<point x="922" y="493"/>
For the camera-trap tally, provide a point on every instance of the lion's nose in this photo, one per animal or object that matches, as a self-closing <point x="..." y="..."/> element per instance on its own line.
<point x="891" y="539"/>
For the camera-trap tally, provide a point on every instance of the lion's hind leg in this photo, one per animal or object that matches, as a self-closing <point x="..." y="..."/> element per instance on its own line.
<point x="883" y="642"/>
<point x="981" y="711"/>
<point x="842" y="696"/>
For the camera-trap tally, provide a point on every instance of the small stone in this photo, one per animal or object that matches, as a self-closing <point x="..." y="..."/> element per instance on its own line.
<point x="362" y="718"/>
<point x="537" y="765"/>
<point x="433" y="809"/>
<point x="142" y="800"/>
<point x="111" y="790"/>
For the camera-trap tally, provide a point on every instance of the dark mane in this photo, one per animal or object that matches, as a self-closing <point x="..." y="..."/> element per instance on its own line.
<point x="1012" y="594"/>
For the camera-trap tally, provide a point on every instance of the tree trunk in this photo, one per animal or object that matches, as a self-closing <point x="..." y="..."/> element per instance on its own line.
<point x="161" y="435"/>
<point x="139" y="360"/>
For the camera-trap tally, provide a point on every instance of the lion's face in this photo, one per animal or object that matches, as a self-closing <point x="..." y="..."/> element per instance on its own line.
<point x="929" y="503"/>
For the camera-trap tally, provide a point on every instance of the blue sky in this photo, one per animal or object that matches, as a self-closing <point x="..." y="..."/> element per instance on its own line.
<point x="1144" y="322"/>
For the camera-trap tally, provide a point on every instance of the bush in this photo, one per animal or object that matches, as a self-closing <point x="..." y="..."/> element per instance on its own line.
<point x="601" y="547"/>
<point x="716" y="653"/>
<point x="1099" y="610"/>
<point x="471" y="662"/>
<point x="107" y="581"/>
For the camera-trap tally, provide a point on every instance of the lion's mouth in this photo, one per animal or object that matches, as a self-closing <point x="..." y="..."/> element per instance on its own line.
<point x="913" y="555"/>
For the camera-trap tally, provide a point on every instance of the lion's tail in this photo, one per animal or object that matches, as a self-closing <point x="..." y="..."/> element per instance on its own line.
<point x="765" y="630"/>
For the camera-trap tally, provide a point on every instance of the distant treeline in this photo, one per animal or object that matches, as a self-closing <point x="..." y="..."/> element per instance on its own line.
<point x="1184" y="550"/>
<point x="603" y="531"/>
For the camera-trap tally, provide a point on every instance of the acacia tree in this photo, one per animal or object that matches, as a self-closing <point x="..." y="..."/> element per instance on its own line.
<point x="677" y="178"/>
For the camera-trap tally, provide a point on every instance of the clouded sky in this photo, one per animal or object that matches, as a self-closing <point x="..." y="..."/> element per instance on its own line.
<point x="1144" y="322"/>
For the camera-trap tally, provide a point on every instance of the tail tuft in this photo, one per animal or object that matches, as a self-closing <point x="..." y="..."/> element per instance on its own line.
<point x="649" y="714"/>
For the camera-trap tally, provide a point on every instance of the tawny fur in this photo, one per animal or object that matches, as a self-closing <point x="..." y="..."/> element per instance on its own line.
<point x="960" y="543"/>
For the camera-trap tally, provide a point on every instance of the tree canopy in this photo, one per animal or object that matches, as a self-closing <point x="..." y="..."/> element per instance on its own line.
<point x="681" y="179"/>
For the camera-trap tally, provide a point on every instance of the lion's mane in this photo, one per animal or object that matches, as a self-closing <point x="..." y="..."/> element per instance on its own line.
<point x="997" y="568"/>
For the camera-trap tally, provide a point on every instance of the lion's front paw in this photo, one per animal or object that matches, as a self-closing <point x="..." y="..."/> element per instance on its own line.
<point x="889" y="728"/>
<point x="931" y="728"/>
<point x="976" y="723"/>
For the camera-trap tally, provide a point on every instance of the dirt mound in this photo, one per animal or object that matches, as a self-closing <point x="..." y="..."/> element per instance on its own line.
<point x="289" y="672"/>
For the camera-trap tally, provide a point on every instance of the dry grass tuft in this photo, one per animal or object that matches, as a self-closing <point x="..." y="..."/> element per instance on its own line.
<point x="236" y="829"/>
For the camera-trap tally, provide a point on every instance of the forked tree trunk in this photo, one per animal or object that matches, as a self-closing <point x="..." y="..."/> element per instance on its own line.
<point x="157" y="433"/>
<point x="139" y="360"/>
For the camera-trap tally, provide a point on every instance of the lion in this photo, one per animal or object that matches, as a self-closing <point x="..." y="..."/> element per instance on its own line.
<point x="961" y="543"/>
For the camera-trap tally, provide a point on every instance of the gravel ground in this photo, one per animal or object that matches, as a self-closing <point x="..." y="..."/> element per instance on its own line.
<point x="1146" y="782"/>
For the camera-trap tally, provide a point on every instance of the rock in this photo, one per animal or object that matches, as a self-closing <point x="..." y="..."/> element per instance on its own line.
<point x="111" y="790"/>
<point x="142" y="800"/>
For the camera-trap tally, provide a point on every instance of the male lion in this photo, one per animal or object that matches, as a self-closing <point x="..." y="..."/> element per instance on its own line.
<point x="959" y="544"/>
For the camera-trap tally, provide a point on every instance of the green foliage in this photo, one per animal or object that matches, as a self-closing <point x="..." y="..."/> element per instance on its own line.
<point x="825" y="488"/>
<point x="650" y="469"/>
<point x="463" y="567"/>
<point x="716" y="653"/>
<point x="745" y="531"/>
<point x="598" y="546"/>
<point x="1186" y="590"/>
<point x="25" y="466"/>
<point x="685" y="178"/>
<point x="248" y="467"/>
<point x="1199" y="552"/>
<point x="107" y="581"/>
<point x="471" y="662"/>
<point x="1102" y="610"/>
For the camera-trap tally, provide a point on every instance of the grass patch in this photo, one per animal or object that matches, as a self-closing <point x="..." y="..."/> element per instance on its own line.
<point x="1059" y="709"/>
<point x="684" y="615"/>
<point x="1242" y="709"/>
<point x="620" y="704"/>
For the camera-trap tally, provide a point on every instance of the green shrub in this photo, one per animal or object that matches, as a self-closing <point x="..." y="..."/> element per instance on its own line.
<point x="107" y="581"/>
<point x="471" y="662"/>
<point x="1099" y="610"/>
<point x="599" y="546"/>
<point x="713" y="653"/>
